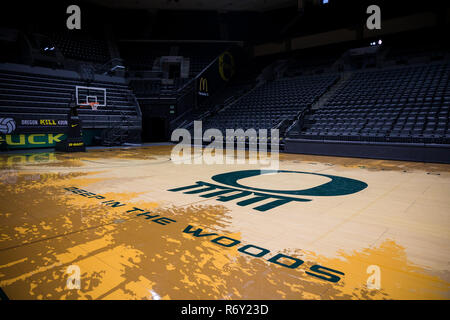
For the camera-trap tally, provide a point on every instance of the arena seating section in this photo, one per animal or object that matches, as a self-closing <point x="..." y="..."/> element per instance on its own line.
<point x="267" y="105"/>
<point x="81" y="47"/>
<point x="313" y="95"/>
<point x="210" y="107"/>
<point x="400" y="104"/>
<point x="38" y="96"/>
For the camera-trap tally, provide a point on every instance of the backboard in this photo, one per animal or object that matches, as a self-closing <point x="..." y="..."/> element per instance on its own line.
<point x="87" y="95"/>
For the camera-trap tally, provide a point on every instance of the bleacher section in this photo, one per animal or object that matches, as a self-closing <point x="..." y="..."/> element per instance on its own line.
<point x="83" y="47"/>
<point x="38" y="96"/>
<point x="226" y="96"/>
<point x="269" y="104"/>
<point x="401" y="104"/>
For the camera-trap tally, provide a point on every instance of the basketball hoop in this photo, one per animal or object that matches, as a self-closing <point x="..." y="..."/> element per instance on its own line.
<point x="92" y="97"/>
<point x="94" y="105"/>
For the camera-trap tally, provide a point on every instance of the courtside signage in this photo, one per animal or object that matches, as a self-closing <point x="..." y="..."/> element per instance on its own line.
<point x="35" y="140"/>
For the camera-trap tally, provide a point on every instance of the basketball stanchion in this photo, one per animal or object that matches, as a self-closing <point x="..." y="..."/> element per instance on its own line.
<point x="74" y="141"/>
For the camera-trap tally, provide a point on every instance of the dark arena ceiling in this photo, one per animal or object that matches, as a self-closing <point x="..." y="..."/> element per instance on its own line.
<point x="216" y="5"/>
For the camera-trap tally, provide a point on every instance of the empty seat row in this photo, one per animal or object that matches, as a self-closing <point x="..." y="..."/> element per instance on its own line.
<point x="402" y="104"/>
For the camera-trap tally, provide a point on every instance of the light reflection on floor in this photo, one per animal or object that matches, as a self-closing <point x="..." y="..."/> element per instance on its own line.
<point x="399" y="224"/>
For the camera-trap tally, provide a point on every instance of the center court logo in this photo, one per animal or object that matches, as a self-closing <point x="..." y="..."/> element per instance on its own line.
<point x="230" y="189"/>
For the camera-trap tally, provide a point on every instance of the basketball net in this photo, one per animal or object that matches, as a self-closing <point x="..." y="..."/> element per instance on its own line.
<point x="94" y="105"/>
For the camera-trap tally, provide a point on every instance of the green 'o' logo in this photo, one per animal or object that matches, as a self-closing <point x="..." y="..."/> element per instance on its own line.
<point x="338" y="186"/>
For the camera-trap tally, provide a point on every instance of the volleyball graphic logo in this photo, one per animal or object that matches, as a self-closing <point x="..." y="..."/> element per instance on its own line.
<point x="7" y="125"/>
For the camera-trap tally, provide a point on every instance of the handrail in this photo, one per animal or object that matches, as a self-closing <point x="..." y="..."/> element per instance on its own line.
<point x="280" y="123"/>
<point x="177" y="118"/>
<point x="188" y="86"/>
<point x="201" y="72"/>
<point x="108" y="63"/>
<point x="226" y="106"/>
<point x="299" y="119"/>
<point x="220" y="107"/>
<point x="204" y="115"/>
<point x="138" y="106"/>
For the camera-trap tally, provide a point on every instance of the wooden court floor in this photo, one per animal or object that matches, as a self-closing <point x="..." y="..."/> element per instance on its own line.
<point x="129" y="223"/>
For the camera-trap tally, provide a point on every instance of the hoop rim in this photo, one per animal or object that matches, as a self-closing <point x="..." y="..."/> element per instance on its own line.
<point x="94" y="105"/>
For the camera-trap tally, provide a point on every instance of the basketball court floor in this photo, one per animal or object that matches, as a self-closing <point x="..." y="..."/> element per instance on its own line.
<point x="124" y="223"/>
